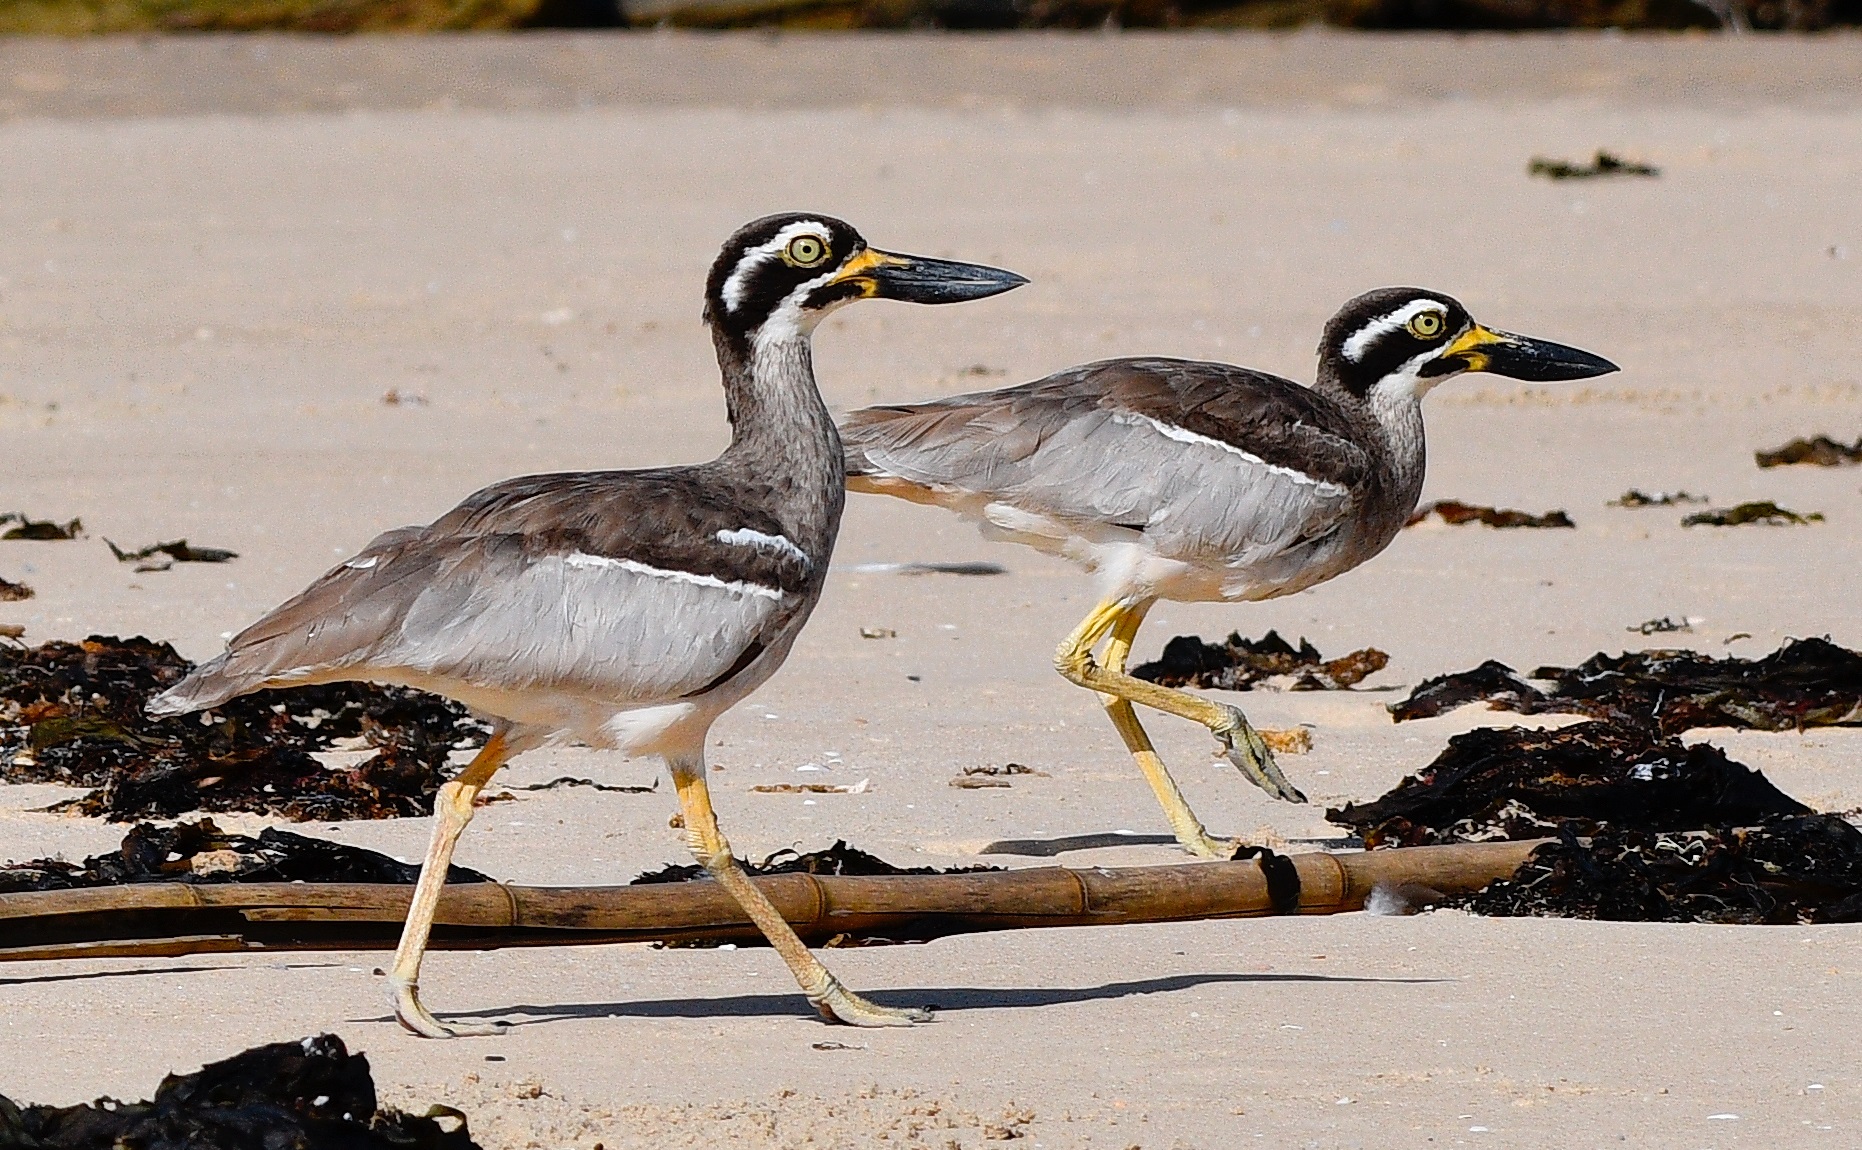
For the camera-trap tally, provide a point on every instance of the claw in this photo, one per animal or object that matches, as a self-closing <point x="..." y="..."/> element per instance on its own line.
<point x="838" y="1004"/>
<point x="416" y="1018"/>
<point x="1244" y="747"/>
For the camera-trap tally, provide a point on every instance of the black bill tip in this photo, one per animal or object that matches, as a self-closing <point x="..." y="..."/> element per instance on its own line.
<point x="920" y="279"/>
<point x="1540" y="361"/>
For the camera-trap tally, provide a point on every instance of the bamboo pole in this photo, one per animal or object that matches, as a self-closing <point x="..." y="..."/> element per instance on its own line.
<point x="170" y="919"/>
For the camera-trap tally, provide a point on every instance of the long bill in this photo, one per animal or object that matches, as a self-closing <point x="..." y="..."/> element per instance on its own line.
<point x="921" y="279"/>
<point x="1521" y="357"/>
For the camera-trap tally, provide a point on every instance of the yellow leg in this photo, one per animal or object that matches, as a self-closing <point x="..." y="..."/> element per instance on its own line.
<point x="1117" y="623"/>
<point x="1183" y="821"/>
<point x="452" y="810"/>
<point x="835" y="1002"/>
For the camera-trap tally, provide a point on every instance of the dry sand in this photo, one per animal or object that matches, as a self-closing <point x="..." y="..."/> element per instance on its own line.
<point x="216" y="256"/>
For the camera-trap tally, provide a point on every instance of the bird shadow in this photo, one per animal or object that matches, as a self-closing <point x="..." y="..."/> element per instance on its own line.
<point x="943" y="999"/>
<point x="143" y="971"/>
<point x="1048" y="848"/>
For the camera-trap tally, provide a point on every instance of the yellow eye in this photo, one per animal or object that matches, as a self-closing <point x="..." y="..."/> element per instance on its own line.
<point x="1426" y="324"/>
<point x="806" y="251"/>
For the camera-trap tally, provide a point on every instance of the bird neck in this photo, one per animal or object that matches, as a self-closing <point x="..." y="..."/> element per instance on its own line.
<point x="1389" y="418"/>
<point x="783" y="439"/>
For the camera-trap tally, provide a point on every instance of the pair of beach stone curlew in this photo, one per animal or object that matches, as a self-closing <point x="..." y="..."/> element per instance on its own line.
<point x="629" y="609"/>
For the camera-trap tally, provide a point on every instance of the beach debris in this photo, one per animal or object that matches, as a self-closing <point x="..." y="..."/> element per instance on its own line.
<point x="571" y="781"/>
<point x="200" y="852"/>
<point x="145" y="558"/>
<point x="931" y="569"/>
<point x="1665" y="625"/>
<point x="14" y="592"/>
<point x="72" y="714"/>
<point x="12" y="630"/>
<point x="1286" y="740"/>
<point x="395" y="397"/>
<point x="1758" y="511"/>
<point x="1606" y="163"/>
<point x="979" y="778"/>
<point x="1238" y="664"/>
<point x="1636" y="498"/>
<point x="859" y="788"/>
<point x="307" y="1095"/>
<point x="839" y="859"/>
<point x="1522" y="783"/>
<point x="878" y="633"/>
<point x="1455" y="513"/>
<point x="39" y="529"/>
<point x="1785" y="871"/>
<point x="1820" y="451"/>
<point x="1805" y="683"/>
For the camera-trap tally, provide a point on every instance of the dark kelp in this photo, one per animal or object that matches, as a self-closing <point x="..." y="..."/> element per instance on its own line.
<point x="838" y="859"/>
<point x="41" y="530"/>
<point x="1238" y="664"/>
<point x="308" y="1095"/>
<point x="14" y="592"/>
<point x="1517" y="783"/>
<point x="202" y="853"/>
<point x="1455" y="513"/>
<point x="1634" y="498"/>
<point x="1605" y="164"/>
<point x="1821" y="451"/>
<point x="1762" y="511"/>
<point x="1786" y="871"/>
<point x="1805" y="683"/>
<point x="72" y="714"/>
<point x="146" y="558"/>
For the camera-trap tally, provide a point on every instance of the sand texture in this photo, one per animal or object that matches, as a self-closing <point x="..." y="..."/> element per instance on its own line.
<point x="218" y="256"/>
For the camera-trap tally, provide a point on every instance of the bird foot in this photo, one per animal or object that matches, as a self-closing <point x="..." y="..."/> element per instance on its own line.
<point x="838" y="1004"/>
<point x="416" y="1018"/>
<point x="1243" y="746"/>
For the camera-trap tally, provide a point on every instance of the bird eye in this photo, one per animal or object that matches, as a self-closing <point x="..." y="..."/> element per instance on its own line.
<point x="806" y="251"/>
<point x="1426" y="324"/>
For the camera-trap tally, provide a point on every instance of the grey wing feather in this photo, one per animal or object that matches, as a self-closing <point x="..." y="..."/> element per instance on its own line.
<point x="526" y="584"/>
<point x="1205" y="459"/>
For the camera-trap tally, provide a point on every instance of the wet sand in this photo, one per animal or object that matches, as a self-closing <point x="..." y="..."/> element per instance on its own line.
<point x="217" y="256"/>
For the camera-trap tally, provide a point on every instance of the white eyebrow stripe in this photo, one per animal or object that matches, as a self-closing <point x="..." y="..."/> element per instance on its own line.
<point x="584" y="561"/>
<point x="781" y="544"/>
<point x="1361" y="340"/>
<point x="1183" y="435"/>
<point x="754" y="257"/>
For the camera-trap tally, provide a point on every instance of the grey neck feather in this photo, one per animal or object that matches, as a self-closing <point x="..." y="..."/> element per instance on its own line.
<point x="1389" y="423"/>
<point x="784" y="447"/>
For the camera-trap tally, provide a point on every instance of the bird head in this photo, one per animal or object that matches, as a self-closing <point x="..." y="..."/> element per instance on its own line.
<point x="778" y="276"/>
<point x="1407" y="340"/>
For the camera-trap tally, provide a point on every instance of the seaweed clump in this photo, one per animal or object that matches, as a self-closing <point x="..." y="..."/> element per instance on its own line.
<point x="1514" y="783"/>
<point x="839" y="859"/>
<point x="72" y="714"/>
<point x="1762" y="511"/>
<point x="1238" y="664"/>
<point x="308" y="1095"/>
<point x="1455" y="513"/>
<point x="1822" y="451"/>
<point x="202" y="853"/>
<point x="1805" y="683"/>
<point x="1805" y="869"/>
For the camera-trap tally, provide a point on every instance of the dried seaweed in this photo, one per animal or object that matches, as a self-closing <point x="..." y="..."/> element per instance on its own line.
<point x="308" y="1095"/>
<point x="983" y="778"/>
<point x="1663" y="626"/>
<point x="571" y="781"/>
<point x="837" y="859"/>
<point x="1455" y="513"/>
<point x="1605" y="164"/>
<point x="1821" y="451"/>
<point x="201" y="852"/>
<point x="1519" y="783"/>
<point x="1635" y="498"/>
<point x="41" y="530"/>
<point x="1787" y="871"/>
<point x="1238" y="664"/>
<point x="1805" y="683"/>
<point x="72" y="714"/>
<point x="1758" y="511"/>
<point x="14" y="592"/>
<point x="172" y="553"/>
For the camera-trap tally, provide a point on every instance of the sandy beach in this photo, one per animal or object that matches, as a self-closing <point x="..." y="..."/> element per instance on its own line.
<point x="218" y="256"/>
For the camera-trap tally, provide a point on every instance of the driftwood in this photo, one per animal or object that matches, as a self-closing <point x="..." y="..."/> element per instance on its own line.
<point x="166" y="919"/>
